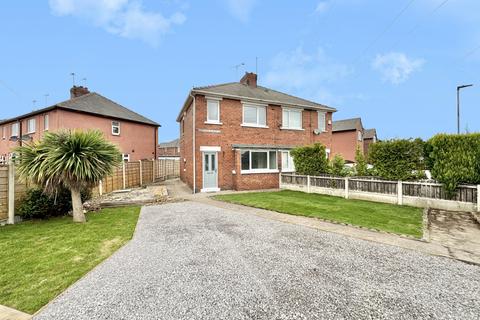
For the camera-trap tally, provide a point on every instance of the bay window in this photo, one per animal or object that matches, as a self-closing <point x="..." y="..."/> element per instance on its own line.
<point x="258" y="161"/>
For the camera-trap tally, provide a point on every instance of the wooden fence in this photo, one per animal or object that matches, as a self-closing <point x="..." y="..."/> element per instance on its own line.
<point x="128" y="175"/>
<point x="419" y="194"/>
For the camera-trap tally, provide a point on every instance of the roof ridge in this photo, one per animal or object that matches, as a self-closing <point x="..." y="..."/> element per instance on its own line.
<point x="213" y="85"/>
<point x="291" y="95"/>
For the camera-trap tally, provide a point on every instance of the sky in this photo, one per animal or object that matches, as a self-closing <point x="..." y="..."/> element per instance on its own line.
<point x="395" y="64"/>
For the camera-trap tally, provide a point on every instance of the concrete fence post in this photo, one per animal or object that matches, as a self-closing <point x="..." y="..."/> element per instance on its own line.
<point x="399" y="193"/>
<point x="123" y="175"/>
<point x="346" y="187"/>
<point x="280" y="180"/>
<point x="141" y="172"/>
<point x="11" y="193"/>
<point x="478" y="197"/>
<point x="308" y="184"/>
<point x="100" y="187"/>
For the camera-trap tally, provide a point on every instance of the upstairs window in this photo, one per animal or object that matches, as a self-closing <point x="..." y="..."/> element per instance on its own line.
<point x="322" y="121"/>
<point x="14" y="129"/>
<point x="115" y="128"/>
<point x="359" y="135"/>
<point x="31" y="123"/>
<point x="254" y="116"/>
<point x="213" y="111"/>
<point x="4" y="132"/>
<point x="291" y="119"/>
<point x="46" y="122"/>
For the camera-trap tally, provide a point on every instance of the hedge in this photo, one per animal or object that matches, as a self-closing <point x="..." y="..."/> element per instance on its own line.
<point x="454" y="159"/>
<point x="310" y="160"/>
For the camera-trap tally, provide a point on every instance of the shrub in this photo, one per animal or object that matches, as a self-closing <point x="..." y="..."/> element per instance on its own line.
<point x="337" y="166"/>
<point x="455" y="159"/>
<point x="361" y="167"/>
<point x="38" y="205"/>
<point x="400" y="159"/>
<point x="310" y="160"/>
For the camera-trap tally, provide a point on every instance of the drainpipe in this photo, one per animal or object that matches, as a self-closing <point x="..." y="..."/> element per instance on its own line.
<point x="193" y="145"/>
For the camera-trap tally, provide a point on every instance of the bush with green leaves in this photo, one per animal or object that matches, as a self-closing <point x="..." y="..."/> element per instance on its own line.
<point x="361" y="166"/>
<point x="310" y="160"/>
<point x="398" y="159"/>
<point x="455" y="159"/>
<point x="337" y="166"/>
<point x="39" y="205"/>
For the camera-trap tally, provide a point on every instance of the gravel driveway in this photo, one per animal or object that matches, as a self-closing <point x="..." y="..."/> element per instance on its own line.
<point x="195" y="261"/>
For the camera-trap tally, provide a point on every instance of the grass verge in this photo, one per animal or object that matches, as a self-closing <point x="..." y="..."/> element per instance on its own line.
<point x="381" y="216"/>
<point x="41" y="258"/>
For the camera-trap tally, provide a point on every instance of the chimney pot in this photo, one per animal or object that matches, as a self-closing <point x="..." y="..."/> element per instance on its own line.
<point x="249" y="79"/>
<point x="77" y="91"/>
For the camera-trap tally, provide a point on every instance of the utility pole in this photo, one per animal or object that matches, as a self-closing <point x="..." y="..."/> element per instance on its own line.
<point x="458" y="104"/>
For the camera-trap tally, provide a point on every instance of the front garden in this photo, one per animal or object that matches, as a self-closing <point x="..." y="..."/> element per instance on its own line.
<point x="403" y="220"/>
<point x="41" y="258"/>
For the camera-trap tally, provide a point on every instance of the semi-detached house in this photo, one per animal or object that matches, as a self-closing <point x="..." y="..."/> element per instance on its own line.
<point x="239" y="135"/>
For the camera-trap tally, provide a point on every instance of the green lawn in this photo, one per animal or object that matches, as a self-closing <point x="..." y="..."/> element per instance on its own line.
<point x="387" y="217"/>
<point x="40" y="259"/>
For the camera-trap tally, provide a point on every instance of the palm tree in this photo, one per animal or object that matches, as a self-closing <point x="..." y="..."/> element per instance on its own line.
<point x="70" y="159"/>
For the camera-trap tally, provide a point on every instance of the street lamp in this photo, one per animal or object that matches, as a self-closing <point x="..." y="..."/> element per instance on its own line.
<point x="458" y="104"/>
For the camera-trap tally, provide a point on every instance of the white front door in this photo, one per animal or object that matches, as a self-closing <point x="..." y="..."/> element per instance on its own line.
<point x="210" y="172"/>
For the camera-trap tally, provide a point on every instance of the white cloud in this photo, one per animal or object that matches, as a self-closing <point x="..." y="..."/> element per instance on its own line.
<point x="125" y="18"/>
<point x="396" y="67"/>
<point x="306" y="74"/>
<point x="321" y="7"/>
<point x="241" y="9"/>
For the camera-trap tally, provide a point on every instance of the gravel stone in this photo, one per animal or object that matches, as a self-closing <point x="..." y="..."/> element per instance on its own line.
<point x="194" y="261"/>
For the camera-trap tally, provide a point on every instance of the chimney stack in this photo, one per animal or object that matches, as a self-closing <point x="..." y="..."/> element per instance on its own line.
<point x="77" y="91"/>
<point x="249" y="79"/>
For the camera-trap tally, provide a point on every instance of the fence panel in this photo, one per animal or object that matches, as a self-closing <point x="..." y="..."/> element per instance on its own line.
<point x="327" y="182"/>
<point x="3" y="192"/>
<point x="294" y="179"/>
<point x="463" y="193"/>
<point x="376" y="186"/>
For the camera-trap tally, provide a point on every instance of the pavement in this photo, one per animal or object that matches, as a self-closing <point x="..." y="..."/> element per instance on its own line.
<point x="193" y="260"/>
<point x="7" y="313"/>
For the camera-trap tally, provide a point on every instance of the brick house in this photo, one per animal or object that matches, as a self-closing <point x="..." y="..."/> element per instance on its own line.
<point x="135" y="135"/>
<point x="169" y="149"/>
<point x="239" y="135"/>
<point x="348" y="135"/>
<point x="369" y="137"/>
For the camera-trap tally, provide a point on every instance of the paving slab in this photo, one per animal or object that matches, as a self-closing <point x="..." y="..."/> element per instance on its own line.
<point x="7" y="313"/>
<point x="192" y="260"/>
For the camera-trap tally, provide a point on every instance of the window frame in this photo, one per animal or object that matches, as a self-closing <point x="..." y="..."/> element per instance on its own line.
<point x="116" y="126"/>
<point x="324" y="114"/>
<point x="290" y="158"/>
<point x="4" y="132"/>
<point x="17" y="126"/>
<point x="30" y="121"/>
<point x="46" y="122"/>
<point x="262" y="170"/>
<point x="257" y="107"/>
<point x="289" y="111"/>
<point x="359" y="135"/>
<point x="213" y="121"/>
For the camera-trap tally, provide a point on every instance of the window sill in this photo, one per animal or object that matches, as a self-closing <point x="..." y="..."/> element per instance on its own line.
<point x="30" y="132"/>
<point x="294" y="129"/>
<point x="254" y="171"/>
<point x="253" y="126"/>
<point x="210" y="122"/>
<point x="288" y="170"/>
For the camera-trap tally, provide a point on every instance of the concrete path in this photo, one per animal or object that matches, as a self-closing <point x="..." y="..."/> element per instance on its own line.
<point x="191" y="260"/>
<point x="7" y="313"/>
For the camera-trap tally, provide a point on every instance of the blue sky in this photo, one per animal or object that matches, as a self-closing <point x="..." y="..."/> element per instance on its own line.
<point x="394" y="63"/>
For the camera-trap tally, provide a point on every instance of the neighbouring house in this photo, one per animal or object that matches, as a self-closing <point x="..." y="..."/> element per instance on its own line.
<point x="239" y="135"/>
<point x="347" y="136"/>
<point x="135" y="135"/>
<point x="169" y="149"/>
<point x="369" y="137"/>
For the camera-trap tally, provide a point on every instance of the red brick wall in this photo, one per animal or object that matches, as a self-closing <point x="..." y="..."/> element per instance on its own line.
<point x="138" y="140"/>
<point x="345" y="144"/>
<point x="168" y="152"/>
<point x="231" y="132"/>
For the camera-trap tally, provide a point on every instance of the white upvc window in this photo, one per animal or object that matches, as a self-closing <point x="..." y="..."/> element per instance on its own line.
<point x="287" y="162"/>
<point x="14" y="129"/>
<point x="292" y="119"/>
<point x="327" y="153"/>
<point x="126" y="157"/>
<point x="322" y="121"/>
<point x="254" y="115"/>
<point x="115" y="128"/>
<point x="213" y="111"/>
<point x="31" y="124"/>
<point x="4" y="132"/>
<point x="359" y="135"/>
<point x="259" y="161"/>
<point x="46" y="122"/>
